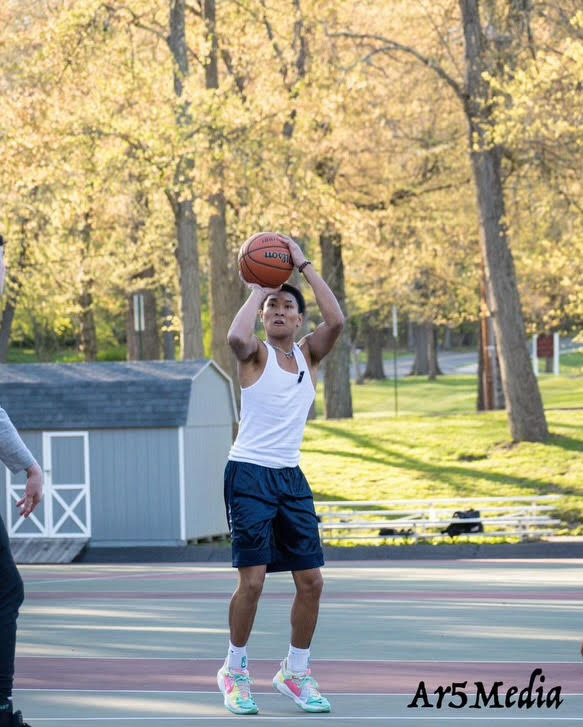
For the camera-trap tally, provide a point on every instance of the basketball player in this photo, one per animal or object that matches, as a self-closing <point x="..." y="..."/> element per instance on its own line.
<point x="270" y="507"/>
<point x="16" y="457"/>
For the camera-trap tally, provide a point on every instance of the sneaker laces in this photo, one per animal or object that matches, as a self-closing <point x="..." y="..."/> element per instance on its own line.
<point x="309" y="684"/>
<point x="243" y="682"/>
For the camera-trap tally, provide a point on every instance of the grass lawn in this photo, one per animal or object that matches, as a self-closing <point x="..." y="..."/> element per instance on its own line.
<point x="446" y="395"/>
<point x="438" y="446"/>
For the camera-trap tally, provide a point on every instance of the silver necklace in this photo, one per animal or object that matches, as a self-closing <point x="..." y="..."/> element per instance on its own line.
<point x="287" y="354"/>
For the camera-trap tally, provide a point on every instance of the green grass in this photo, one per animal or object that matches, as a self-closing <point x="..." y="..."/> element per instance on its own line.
<point x="446" y="395"/>
<point x="438" y="446"/>
<point x="572" y="363"/>
<point x="17" y="355"/>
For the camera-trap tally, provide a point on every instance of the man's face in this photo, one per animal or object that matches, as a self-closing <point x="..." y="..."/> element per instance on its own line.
<point x="280" y="314"/>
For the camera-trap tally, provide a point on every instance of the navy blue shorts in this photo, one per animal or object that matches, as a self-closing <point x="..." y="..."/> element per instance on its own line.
<point x="271" y="517"/>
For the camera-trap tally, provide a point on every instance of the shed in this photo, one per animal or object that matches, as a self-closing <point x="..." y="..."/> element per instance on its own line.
<point x="133" y="453"/>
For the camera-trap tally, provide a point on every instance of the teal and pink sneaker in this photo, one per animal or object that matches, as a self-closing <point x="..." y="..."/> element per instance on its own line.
<point x="302" y="688"/>
<point x="235" y="684"/>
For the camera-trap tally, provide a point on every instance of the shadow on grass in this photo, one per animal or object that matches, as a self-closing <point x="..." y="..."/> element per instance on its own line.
<point x="459" y="478"/>
<point x="569" y="443"/>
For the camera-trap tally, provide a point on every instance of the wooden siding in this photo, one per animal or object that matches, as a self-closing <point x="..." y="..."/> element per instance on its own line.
<point x="205" y="454"/>
<point x="211" y="401"/>
<point x="134" y="486"/>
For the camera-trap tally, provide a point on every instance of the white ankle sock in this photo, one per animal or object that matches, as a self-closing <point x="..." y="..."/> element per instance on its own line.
<point x="236" y="657"/>
<point x="298" y="660"/>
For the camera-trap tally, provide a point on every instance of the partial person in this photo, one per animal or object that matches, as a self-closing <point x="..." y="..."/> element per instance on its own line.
<point x="16" y="456"/>
<point x="269" y="503"/>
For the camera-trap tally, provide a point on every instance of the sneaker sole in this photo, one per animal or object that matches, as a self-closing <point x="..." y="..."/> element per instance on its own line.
<point x="221" y="683"/>
<point x="282" y="689"/>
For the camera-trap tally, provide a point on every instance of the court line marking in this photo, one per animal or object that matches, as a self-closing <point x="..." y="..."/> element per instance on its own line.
<point x="510" y="602"/>
<point x="315" y="660"/>
<point x="82" y="579"/>
<point x="187" y="692"/>
<point x="116" y="719"/>
<point x="202" y="691"/>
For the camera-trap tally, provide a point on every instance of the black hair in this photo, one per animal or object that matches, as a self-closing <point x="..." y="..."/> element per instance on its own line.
<point x="297" y="295"/>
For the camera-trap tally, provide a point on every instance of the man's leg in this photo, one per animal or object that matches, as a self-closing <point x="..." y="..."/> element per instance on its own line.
<point x="11" y="597"/>
<point x="294" y="678"/>
<point x="306" y="605"/>
<point x="233" y="676"/>
<point x="244" y="602"/>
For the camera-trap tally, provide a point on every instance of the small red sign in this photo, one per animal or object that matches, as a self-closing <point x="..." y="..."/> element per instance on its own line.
<point x="544" y="346"/>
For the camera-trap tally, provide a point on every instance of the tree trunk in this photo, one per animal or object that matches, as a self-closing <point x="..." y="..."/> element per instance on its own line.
<point x="191" y="335"/>
<point x="434" y="370"/>
<point x="181" y="197"/>
<point x="144" y="345"/>
<point x="447" y="339"/>
<point x="87" y="330"/>
<point x="421" y="363"/>
<point x="224" y="279"/>
<point x="141" y="345"/>
<point x="426" y="363"/>
<point x="490" y="390"/>
<point x="6" y="329"/>
<point x="410" y="335"/>
<point x="374" y="338"/>
<point x="168" y="339"/>
<point x="548" y="361"/>
<point x="525" y="409"/>
<point x="358" y="375"/>
<point x="13" y="292"/>
<point x="337" y="393"/>
<point x="88" y="335"/>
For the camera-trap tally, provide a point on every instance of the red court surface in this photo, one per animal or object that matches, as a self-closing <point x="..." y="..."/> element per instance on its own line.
<point x="140" y="645"/>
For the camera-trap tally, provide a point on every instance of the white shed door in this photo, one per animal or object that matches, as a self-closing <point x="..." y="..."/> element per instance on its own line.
<point x="66" y="507"/>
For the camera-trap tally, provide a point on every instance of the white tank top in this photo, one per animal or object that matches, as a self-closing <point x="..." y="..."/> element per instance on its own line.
<point x="273" y="414"/>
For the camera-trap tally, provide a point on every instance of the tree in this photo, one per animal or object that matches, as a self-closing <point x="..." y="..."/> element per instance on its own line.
<point x="181" y="192"/>
<point x="483" y="53"/>
<point x="338" y="401"/>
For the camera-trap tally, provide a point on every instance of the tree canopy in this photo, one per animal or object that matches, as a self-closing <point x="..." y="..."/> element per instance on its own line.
<point x="143" y="140"/>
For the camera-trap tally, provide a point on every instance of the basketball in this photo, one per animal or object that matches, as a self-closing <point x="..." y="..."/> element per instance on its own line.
<point x="264" y="259"/>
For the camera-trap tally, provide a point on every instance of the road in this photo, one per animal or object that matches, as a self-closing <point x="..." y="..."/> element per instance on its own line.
<point x="449" y="363"/>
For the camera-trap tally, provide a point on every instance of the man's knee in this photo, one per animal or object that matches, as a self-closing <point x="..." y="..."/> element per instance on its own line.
<point x="310" y="584"/>
<point x="251" y="585"/>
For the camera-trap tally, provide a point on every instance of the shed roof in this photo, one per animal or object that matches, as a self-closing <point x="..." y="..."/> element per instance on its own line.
<point x="99" y="395"/>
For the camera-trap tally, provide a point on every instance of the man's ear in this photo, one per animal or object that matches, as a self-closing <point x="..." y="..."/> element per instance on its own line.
<point x="300" y="320"/>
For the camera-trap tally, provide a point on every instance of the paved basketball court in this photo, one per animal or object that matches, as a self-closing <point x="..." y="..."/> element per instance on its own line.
<point x="133" y="646"/>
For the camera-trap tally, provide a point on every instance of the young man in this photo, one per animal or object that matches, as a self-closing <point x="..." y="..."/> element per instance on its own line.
<point x="270" y="507"/>
<point x="15" y="455"/>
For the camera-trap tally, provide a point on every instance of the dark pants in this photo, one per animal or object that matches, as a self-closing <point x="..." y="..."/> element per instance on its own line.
<point x="11" y="597"/>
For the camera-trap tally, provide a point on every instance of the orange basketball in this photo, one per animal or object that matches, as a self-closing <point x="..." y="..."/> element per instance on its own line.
<point x="264" y="259"/>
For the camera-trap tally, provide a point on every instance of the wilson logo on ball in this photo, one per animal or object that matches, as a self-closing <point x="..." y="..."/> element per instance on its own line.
<point x="284" y="257"/>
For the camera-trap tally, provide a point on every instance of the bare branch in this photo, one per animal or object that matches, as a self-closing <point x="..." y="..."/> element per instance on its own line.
<point x="275" y="45"/>
<point x="237" y="77"/>
<point x="156" y="28"/>
<point x="390" y="46"/>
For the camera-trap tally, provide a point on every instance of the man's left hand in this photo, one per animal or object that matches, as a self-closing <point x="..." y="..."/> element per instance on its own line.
<point x="33" y="492"/>
<point x="295" y="250"/>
